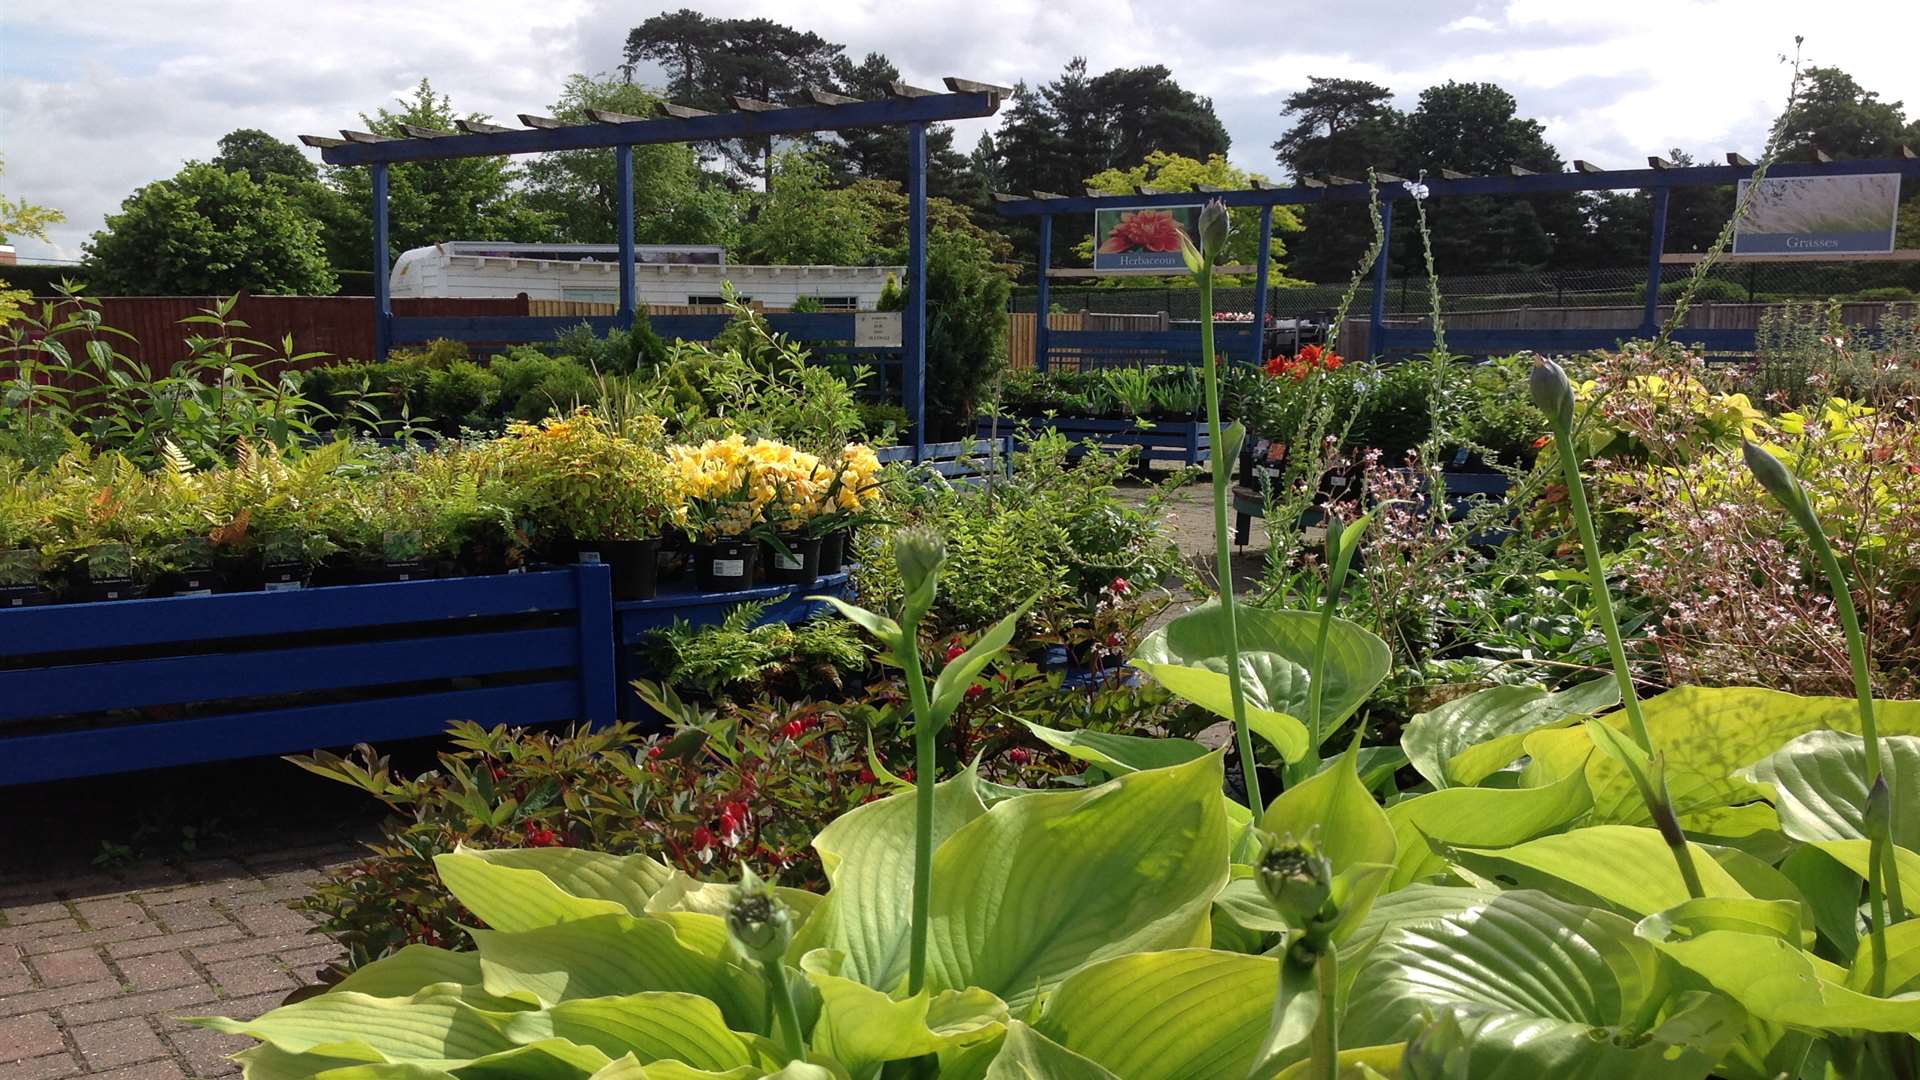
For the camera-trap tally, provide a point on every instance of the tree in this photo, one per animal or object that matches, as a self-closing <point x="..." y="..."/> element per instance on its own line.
<point x="260" y="155"/>
<point x="1054" y="138"/>
<point x="1836" y="114"/>
<point x="880" y="153"/>
<point x="886" y="207"/>
<point x="1029" y="148"/>
<point x="207" y="231"/>
<point x="1342" y="127"/>
<point x="803" y="221"/>
<point x="1173" y="172"/>
<point x="709" y="61"/>
<point x="19" y="218"/>
<point x="966" y="330"/>
<point x="1145" y="112"/>
<point x="429" y="202"/>
<point x="675" y="202"/>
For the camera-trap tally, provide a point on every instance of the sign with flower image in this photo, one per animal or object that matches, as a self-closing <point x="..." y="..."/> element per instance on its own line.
<point x="1143" y="238"/>
<point x="1819" y="215"/>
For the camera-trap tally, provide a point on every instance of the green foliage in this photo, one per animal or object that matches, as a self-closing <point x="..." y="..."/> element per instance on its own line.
<point x="462" y="393"/>
<point x="744" y="654"/>
<point x="966" y="331"/>
<point x="208" y="231"/>
<point x="803" y="221"/>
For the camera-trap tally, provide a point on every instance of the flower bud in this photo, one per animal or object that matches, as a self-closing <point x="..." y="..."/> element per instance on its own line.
<point x="1551" y="392"/>
<point x="919" y="554"/>
<point x="1296" y="879"/>
<point x="1214" y="227"/>
<point x="1773" y="476"/>
<point x="758" y="922"/>
<point x="1878" y="818"/>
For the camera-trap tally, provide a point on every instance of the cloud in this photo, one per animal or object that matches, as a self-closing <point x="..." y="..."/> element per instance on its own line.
<point x="100" y="97"/>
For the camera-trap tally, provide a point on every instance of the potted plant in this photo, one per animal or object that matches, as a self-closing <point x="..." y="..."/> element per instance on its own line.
<point x="727" y="488"/>
<point x="25" y="530"/>
<point x="848" y="502"/>
<point x="22" y="573"/>
<point x="191" y="562"/>
<point x="609" y="494"/>
<point x="113" y="572"/>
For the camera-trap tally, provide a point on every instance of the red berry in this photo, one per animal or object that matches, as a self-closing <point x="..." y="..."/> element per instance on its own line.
<point x="866" y="776"/>
<point x="1019" y="755"/>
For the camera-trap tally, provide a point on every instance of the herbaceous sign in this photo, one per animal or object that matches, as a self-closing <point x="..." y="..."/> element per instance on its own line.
<point x="1819" y="215"/>
<point x="1145" y="238"/>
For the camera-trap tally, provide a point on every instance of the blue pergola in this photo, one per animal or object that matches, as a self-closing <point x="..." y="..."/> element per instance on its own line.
<point x="905" y="105"/>
<point x="1659" y="179"/>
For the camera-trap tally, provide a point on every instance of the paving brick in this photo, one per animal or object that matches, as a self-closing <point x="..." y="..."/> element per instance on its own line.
<point x="11" y="962"/>
<point x="170" y="1002"/>
<point x="58" y="997"/>
<point x="29" y="1036"/>
<point x="24" y="914"/>
<point x="249" y="975"/>
<point x="207" y="1051"/>
<point x="20" y="935"/>
<point x="147" y="876"/>
<point x="118" y="1042"/>
<point x="277" y="894"/>
<point x="152" y="1070"/>
<point x="201" y="892"/>
<point x="72" y="966"/>
<point x="259" y="946"/>
<point x="267" y="919"/>
<point x="113" y="911"/>
<point x="188" y="915"/>
<point x="51" y="1067"/>
<point x="173" y="942"/>
<point x="303" y="962"/>
<point x="158" y="971"/>
<point x="90" y="938"/>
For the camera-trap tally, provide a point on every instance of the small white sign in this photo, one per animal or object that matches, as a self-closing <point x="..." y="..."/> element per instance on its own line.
<point x="588" y="558"/>
<point x="283" y="586"/>
<point x="729" y="568"/>
<point x="788" y="562"/>
<point x="876" y="329"/>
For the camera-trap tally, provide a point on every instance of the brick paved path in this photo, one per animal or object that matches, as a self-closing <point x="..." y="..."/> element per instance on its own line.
<point x="94" y="968"/>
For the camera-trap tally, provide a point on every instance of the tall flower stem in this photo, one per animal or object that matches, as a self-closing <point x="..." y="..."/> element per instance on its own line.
<point x="1223" y="549"/>
<point x="783" y="1009"/>
<point x="1326" y="1026"/>
<point x="1553" y="395"/>
<point x="907" y="652"/>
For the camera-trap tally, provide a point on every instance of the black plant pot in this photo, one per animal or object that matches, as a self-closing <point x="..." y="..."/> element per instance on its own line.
<point x="409" y="570"/>
<point x="113" y="589"/>
<point x="798" y="565"/>
<point x="833" y="552"/>
<point x="12" y="596"/>
<point x="202" y="582"/>
<point x="670" y="559"/>
<point x="635" y="565"/>
<point x="284" y="577"/>
<point x="726" y="565"/>
<point x="236" y="573"/>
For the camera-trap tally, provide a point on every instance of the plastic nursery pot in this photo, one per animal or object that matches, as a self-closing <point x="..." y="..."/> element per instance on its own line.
<point x="833" y="552"/>
<point x="113" y="589"/>
<point x="726" y="565"/>
<point x="635" y="565"/>
<point x="284" y="577"/>
<point x="670" y="559"/>
<point x="799" y="564"/>
<point x="198" y="582"/>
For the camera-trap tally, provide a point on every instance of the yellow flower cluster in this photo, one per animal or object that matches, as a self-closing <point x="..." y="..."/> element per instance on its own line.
<point x="731" y="484"/>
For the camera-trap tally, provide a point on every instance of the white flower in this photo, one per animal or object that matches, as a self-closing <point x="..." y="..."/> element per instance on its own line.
<point x="1415" y="188"/>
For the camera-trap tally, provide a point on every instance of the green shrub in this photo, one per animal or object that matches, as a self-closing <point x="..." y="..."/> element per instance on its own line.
<point x="461" y="394"/>
<point x="762" y="659"/>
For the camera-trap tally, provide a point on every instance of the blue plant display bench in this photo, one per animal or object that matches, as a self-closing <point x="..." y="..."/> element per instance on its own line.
<point x="99" y="688"/>
<point x="1183" y="441"/>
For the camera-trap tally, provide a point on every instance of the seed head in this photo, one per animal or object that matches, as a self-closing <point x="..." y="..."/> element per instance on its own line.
<point x="759" y="923"/>
<point x="1296" y="878"/>
<point x="1551" y="392"/>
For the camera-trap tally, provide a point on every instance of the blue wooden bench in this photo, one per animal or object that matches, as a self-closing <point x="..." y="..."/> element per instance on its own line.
<point x="964" y="460"/>
<point x="89" y="689"/>
<point x="1184" y="441"/>
<point x="1087" y="349"/>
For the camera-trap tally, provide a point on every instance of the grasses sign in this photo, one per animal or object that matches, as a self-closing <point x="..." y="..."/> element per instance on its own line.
<point x="1142" y="238"/>
<point x="1819" y="215"/>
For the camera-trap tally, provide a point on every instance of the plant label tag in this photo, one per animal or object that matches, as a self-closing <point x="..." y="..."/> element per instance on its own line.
<point x="194" y="592"/>
<point x="789" y="562"/>
<point x="282" y="586"/>
<point x="729" y="568"/>
<point x="17" y="602"/>
<point x="404" y="577"/>
<point x="589" y="558"/>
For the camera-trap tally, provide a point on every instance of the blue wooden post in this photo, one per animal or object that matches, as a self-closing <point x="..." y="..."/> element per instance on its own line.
<point x="1042" y="301"/>
<point x="1657" y="246"/>
<point x="1377" y="322"/>
<point x="914" y="357"/>
<point x="623" y="182"/>
<point x="382" y="292"/>
<point x="1260" y="287"/>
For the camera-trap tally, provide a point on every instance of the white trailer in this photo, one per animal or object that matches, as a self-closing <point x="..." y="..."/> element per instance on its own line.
<point x="663" y="274"/>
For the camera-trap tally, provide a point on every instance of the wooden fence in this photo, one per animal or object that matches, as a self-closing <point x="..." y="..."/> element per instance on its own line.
<point x="1022" y="324"/>
<point x="1354" y="335"/>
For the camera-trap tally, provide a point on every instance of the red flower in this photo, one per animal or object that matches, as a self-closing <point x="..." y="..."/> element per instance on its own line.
<point x="866" y="775"/>
<point x="1019" y="755"/>
<point x="498" y="772"/>
<point x="1143" y="230"/>
<point x="794" y="729"/>
<point x="954" y="651"/>
<point x="1542" y="441"/>
<point x="1121" y="586"/>
<point x="702" y="838"/>
<point x="653" y="751"/>
<point x="974" y="693"/>
<point x="538" y="835"/>
<point x="907" y="775"/>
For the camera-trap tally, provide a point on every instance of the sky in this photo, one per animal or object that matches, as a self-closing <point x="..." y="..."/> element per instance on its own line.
<point x="98" y="97"/>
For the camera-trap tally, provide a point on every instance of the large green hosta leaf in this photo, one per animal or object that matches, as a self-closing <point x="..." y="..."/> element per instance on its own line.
<point x="868" y="855"/>
<point x="1184" y="1014"/>
<point x="1466" y="740"/>
<point x="526" y="888"/>
<point x="651" y="1026"/>
<point x="1546" y="989"/>
<point x="1044" y="883"/>
<point x="1706" y="734"/>
<point x="1117" y="753"/>
<point x="616" y="955"/>
<point x="1777" y="981"/>
<point x="862" y="1029"/>
<point x="1819" y="783"/>
<point x="1478" y="817"/>
<point x="1623" y="867"/>
<point x="1189" y="657"/>
<point x="1028" y="1055"/>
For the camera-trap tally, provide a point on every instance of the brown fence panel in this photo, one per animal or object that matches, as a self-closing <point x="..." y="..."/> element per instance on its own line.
<point x="1020" y="328"/>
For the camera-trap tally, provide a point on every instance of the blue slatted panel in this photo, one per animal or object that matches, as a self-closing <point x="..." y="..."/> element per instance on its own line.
<point x="192" y="619"/>
<point x="171" y="680"/>
<point x="1506" y="341"/>
<point x="1102" y="348"/>
<point x="33" y="758"/>
<point x="1185" y="441"/>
